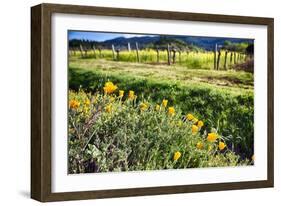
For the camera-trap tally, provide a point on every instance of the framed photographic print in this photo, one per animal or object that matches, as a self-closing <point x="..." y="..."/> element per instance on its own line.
<point x="132" y="102"/>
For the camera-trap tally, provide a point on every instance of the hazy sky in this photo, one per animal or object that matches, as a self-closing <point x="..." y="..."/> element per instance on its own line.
<point x="98" y="36"/>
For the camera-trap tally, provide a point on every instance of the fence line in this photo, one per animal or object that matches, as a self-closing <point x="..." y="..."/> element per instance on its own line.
<point x="222" y="59"/>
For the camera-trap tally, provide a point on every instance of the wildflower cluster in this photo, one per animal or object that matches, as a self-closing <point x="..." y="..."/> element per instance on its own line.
<point x="115" y="131"/>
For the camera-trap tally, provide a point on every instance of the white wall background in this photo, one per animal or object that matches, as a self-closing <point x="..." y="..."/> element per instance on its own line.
<point x="15" y="102"/>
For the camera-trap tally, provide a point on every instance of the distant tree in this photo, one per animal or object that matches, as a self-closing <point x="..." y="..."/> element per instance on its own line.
<point x="250" y="49"/>
<point x="238" y="47"/>
<point x="173" y="42"/>
<point x="85" y="43"/>
<point x="176" y="44"/>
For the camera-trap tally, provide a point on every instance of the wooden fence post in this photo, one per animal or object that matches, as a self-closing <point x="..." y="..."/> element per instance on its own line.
<point x="157" y="50"/>
<point x="129" y="46"/>
<point x="215" y="57"/>
<point x="137" y="50"/>
<point x="231" y="55"/>
<point x="218" y="61"/>
<point x="174" y="55"/>
<point x="180" y="56"/>
<point x="94" y="49"/>
<point x="169" y="54"/>
<point x="117" y="54"/>
<point x="238" y="57"/>
<point x="100" y="52"/>
<point x="225" y="59"/>
<point x="113" y="52"/>
<point x="85" y="51"/>
<point x="81" y="50"/>
<point x="234" y="58"/>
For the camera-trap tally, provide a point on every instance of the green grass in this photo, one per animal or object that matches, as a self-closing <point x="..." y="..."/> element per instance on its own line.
<point x="224" y="99"/>
<point x="230" y="80"/>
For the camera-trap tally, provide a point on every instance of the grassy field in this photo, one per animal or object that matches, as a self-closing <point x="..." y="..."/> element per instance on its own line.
<point x="236" y="81"/>
<point x="189" y="59"/>
<point x="223" y="100"/>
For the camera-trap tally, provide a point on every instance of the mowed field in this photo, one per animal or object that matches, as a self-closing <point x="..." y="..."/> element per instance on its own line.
<point x="230" y="80"/>
<point x="222" y="99"/>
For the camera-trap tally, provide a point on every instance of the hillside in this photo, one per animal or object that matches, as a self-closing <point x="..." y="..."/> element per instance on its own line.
<point x="194" y="43"/>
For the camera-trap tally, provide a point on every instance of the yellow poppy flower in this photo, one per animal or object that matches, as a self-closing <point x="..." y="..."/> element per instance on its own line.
<point x="200" y="123"/>
<point x="109" y="88"/>
<point x="121" y="93"/>
<point x="157" y="107"/>
<point x="194" y="129"/>
<point x="199" y="145"/>
<point x="131" y="95"/>
<point x="108" y="108"/>
<point x="171" y="111"/>
<point x="212" y="137"/>
<point x="177" y="155"/>
<point x="74" y="104"/>
<point x="87" y="102"/>
<point x="189" y="117"/>
<point x="221" y="145"/>
<point x="165" y="102"/>
<point x="143" y="106"/>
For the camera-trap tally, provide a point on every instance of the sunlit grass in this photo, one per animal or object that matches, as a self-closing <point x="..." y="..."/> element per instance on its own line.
<point x="227" y="79"/>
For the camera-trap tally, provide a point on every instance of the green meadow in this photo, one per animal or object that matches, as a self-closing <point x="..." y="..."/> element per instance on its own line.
<point x="123" y="134"/>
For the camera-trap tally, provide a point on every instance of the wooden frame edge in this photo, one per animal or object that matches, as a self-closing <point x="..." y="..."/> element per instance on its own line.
<point x="36" y="58"/>
<point x="157" y="14"/>
<point x="101" y="194"/>
<point x="40" y="102"/>
<point x="270" y="101"/>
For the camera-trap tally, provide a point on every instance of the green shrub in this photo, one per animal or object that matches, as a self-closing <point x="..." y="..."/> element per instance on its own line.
<point x="111" y="133"/>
